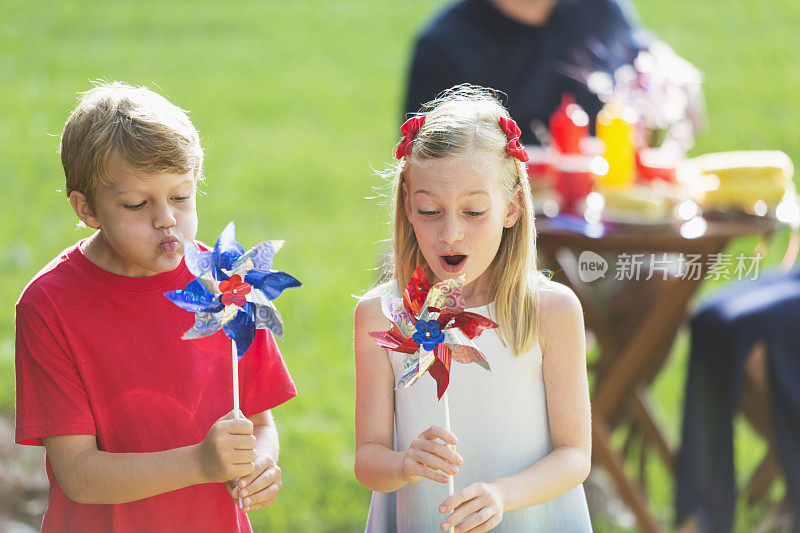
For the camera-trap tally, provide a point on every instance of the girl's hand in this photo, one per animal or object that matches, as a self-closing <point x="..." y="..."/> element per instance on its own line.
<point x="426" y="455"/>
<point x="259" y="489"/>
<point x="481" y="502"/>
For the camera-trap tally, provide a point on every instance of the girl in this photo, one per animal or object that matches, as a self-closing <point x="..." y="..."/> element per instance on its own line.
<point x="520" y="444"/>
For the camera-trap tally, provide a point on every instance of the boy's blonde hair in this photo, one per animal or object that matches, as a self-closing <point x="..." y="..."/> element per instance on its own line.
<point x="142" y="128"/>
<point x="464" y="122"/>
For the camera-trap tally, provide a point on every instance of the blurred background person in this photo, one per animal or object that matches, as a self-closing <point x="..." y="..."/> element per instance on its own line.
<point x="532" y="50"/>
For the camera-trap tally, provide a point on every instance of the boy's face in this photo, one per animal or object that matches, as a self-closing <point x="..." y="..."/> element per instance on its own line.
<point x="143" y="221"/>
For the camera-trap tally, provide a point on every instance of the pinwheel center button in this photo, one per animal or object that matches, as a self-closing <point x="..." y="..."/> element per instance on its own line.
<point x="234" y="291"/>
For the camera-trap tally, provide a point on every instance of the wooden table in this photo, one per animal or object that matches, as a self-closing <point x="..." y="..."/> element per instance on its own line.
<point x="635" y="323"/>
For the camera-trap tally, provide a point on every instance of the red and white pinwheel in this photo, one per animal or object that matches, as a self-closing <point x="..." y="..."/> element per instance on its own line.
<point x="432" y="327"/>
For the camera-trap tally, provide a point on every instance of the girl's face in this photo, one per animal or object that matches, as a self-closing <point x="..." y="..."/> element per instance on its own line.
<point x="458" y="213"/>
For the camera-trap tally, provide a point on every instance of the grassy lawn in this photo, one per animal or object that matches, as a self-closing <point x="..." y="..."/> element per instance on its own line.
<point x="296" y="101"/>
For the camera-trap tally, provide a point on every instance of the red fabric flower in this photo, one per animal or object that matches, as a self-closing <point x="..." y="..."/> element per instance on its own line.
<point x="513" y="132"/>
<point x="234" y="291"/>
<point x="409" y="129"/>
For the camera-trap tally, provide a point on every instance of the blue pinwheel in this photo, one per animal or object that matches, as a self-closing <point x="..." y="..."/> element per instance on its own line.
<point x="233" y="289"/>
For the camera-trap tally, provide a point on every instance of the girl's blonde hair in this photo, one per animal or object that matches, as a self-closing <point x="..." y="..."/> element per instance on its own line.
<point x="464" y="122"/>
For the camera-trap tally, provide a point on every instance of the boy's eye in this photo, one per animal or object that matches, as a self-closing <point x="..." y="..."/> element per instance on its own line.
<point x="181" y="198"/>
<point x="476" y="214"/>
<point x="426" y="213"/>
<point x="134" y="207"/>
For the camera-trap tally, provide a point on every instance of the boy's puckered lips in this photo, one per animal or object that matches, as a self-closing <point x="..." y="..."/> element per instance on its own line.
<point x="170" y="244"/>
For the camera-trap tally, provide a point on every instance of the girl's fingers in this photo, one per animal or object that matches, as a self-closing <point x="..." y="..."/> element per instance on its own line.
<point x="462" y="511"/>
<point x="438" y="432"/>
<point x="461" y="496"/>
<point x="433" y="461"/>
<point x="474" y="521"/>
<point x="420" y="470"/>
<point x="443" y="451"/>
<point x="486" y="526"/>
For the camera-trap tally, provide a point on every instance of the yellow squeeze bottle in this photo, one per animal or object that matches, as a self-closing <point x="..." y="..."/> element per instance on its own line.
<point x="615" y="127"/>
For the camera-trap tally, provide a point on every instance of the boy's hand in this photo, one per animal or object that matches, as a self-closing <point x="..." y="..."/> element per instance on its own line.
<point x="259" y="489"/>
<point x="427" y="454"/>
<point x="228" y="451"/>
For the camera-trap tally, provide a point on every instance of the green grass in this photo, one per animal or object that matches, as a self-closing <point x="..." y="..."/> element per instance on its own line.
<point x="295" y="101"/>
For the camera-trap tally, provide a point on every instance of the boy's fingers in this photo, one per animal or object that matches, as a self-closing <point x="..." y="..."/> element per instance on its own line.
<point x="241" y="442"/>
<point x="262" y="465"/>
<point x="227" y="416"/>
<point x="238" y="426"/>
<point x="267" y="478"/>
<point x="242" y="469"/>
<point x="264" y="497"/>
<point x="241" y="457"/>
<point x="246" y="480"/>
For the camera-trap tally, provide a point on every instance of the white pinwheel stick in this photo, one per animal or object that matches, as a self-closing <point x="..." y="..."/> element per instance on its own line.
<point x="235" y="360"/>
<point x="450" y="478"/>
<point x="236" y="412"/>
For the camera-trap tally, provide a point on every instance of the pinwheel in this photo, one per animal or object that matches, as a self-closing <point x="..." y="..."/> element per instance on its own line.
<point x="431" y="326"/>
<point x="233" y="291"/>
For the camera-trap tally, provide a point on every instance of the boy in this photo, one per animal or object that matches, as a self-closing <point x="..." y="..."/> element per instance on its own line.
<point x="132" y="417"/>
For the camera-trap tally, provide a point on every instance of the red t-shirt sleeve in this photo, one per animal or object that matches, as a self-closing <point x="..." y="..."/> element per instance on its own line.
<point x="51" y="398"/>
<point x="264" y="381"/>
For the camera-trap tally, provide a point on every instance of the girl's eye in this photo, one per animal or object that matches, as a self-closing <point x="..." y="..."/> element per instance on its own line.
<point x="426" y="213"/>
<point x="476" y="214"/>
<point x="181" y="198"/>
<point x="135" y="206"/>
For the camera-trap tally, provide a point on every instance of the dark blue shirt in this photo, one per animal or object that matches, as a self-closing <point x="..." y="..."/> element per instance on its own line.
<point x="473" y="42"/>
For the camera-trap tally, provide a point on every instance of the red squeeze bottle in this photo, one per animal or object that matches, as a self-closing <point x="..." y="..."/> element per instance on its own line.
<point x="568" y="125"/>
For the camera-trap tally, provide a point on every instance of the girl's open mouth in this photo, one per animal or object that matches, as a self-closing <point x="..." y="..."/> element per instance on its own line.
<point x="452" y="263"/>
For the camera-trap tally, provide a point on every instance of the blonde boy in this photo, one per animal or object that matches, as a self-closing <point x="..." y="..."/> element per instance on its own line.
<point x="134" y="419"/>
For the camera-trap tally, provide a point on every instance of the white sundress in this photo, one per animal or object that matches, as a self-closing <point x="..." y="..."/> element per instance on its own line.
<point x="500" y="419"/>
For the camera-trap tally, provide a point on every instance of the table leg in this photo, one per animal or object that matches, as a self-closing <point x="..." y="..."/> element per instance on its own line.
<point x="630" y="491"/>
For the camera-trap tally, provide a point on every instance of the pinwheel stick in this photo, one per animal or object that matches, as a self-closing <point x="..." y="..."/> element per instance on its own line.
<point x="235" y="360"/>
<point x="450" y="482"/>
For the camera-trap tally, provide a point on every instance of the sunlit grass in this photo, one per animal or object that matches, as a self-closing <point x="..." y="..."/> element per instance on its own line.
<point x="295" y="102"/>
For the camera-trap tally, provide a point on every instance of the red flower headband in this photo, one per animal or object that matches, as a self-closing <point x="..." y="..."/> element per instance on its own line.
<point x="409" y="129"/>
<point x="411" y="126"/>
<point x="513" y="132"/>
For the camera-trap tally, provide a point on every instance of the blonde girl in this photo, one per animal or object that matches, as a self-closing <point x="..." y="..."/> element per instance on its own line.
<point x="519" y="445"/>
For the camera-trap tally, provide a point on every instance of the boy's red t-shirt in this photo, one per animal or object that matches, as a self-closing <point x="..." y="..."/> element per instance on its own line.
<point x="101" y="354"/>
